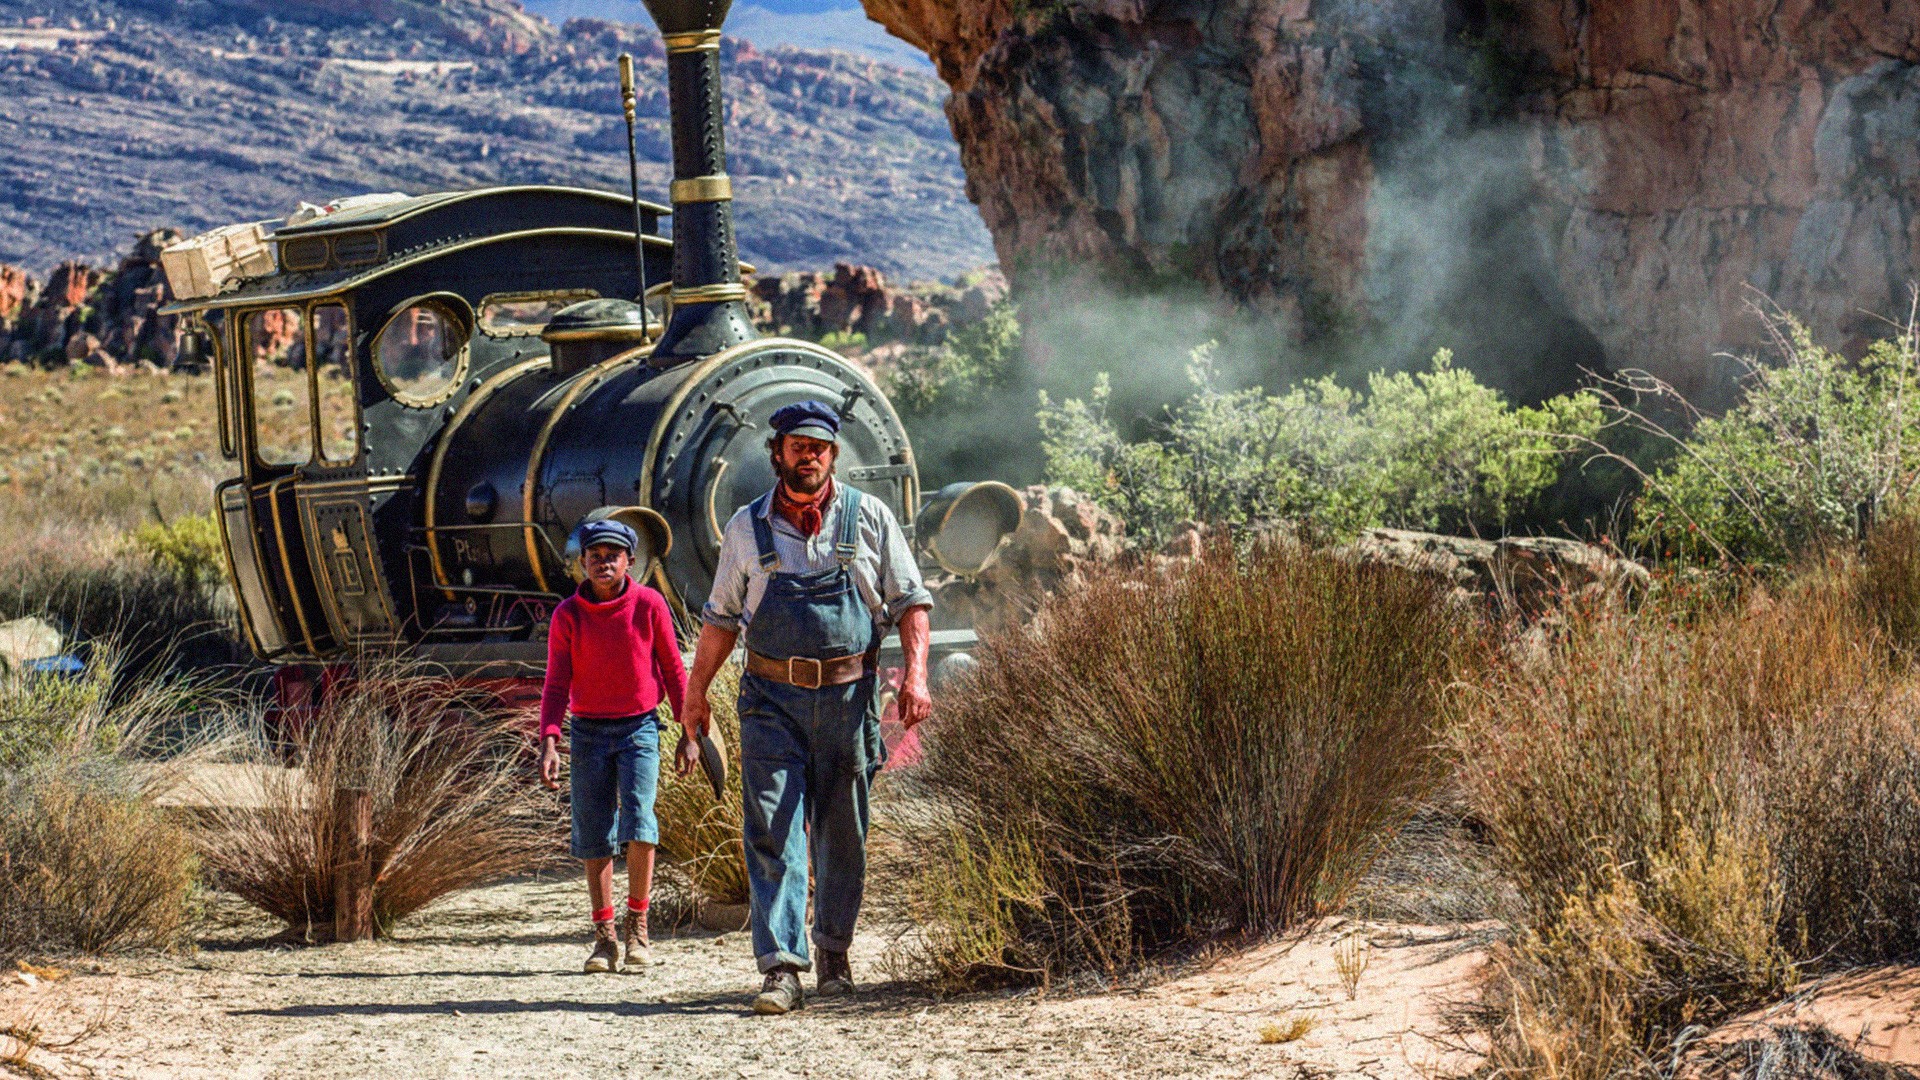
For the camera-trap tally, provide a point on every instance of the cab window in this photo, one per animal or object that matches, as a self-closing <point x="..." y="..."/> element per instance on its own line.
<point x="421" y="353"/>
<point x="333" y="384"/>
<point x="525" y="314"/>
<point x="275" y="344"/>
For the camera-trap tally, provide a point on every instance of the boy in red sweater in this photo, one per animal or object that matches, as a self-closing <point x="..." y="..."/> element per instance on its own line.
<point x="611" y="656"/>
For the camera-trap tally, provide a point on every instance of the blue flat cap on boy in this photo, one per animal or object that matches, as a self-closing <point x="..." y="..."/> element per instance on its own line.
<point x="814" y="419"/>
<point x="607" y="531"/>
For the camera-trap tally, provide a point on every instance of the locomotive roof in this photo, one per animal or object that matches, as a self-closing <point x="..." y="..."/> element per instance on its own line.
<point x="406" y="232"/>
<point x="441" y="204"/>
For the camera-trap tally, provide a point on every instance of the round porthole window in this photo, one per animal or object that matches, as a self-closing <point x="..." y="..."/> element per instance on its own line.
<point x="421" y="353"/>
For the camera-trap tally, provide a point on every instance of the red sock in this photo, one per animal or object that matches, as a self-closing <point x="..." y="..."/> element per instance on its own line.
<point x="637" y="905"/>
<point x="604" y="914"/>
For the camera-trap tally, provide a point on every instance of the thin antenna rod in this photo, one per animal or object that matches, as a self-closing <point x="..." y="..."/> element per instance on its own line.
<point x="633" y="185"/>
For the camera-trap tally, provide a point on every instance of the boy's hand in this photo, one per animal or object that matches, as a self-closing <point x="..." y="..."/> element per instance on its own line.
<point x="550" y="762"/>
<point x="686" y="756"/>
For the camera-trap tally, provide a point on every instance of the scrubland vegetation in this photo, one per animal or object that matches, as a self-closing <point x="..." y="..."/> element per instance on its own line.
<point x="1434" y="449"/>
<point x="701" y="838"/>
<point x="1696" y="801"/>
<point x="1224" y="746"/>
<point x="449" y="781"/>
<point x="88" y="861"/>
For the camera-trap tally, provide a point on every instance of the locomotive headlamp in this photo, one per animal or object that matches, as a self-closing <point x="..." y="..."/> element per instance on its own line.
<point x="656" y="536"/>
<point x="962" y="525"/>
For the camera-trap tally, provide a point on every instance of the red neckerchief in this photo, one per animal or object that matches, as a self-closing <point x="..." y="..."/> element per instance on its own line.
<point x="804" y="517"/>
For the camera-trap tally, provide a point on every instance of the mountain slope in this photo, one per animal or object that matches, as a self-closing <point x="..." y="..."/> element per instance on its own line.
<point x="122" y="116"/>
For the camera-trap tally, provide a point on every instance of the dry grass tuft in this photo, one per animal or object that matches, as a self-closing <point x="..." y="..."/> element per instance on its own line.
<point x="1696" y="807"/>
<point x="1289" y="1028"/>
<point x="1352" y="955"/>
<point x="88" y="862"/>
<point x="1221" y="748"/>
<point x="703" y="837"/>
<point x="453" y="801"/>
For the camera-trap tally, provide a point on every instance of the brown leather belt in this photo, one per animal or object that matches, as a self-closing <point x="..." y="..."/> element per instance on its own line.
<point x="810" y="674"/>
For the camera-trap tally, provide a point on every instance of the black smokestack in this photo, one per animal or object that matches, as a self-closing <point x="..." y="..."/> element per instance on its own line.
<point x="709" y="303"/>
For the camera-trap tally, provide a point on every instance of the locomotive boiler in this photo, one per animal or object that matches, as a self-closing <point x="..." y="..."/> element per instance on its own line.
<point x="427" y="394"/>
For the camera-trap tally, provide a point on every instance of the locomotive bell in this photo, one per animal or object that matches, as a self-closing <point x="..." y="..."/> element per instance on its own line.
<point x="581" y="335"/>
<point x="962" y="525"/>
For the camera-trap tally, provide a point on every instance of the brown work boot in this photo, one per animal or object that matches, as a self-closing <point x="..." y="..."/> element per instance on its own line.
<point x="835" y="974"/>
<point x="633" y="934"/>
<point x="606" y="949"/>
<point x="780" y="993"/>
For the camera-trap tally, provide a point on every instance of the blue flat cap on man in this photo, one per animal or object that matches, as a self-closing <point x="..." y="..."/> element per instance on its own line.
<point x="814" y="419"/>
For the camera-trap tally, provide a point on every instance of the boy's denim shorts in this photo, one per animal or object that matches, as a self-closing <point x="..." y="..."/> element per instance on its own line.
<point x="615" y="771"/>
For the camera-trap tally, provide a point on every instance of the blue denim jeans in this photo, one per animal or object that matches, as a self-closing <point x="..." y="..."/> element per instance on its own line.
<point x="615" y="770"/>
<point x="807" y="759"/>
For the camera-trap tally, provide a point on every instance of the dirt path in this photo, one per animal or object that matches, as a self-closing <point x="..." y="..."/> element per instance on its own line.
<point x="488" y="984"/>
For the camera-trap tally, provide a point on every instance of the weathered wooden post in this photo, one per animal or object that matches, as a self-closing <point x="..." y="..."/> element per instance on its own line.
<point x="353" y="872"/>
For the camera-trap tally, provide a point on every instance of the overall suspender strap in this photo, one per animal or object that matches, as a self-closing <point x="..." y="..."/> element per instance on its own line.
<point x="846" y="542"/>
<point x="762" y="531"/>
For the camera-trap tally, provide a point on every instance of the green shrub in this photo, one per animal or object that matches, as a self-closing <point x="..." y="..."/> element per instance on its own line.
<point x="841" y="340"/>
<point x="957" y="399"/>
<point x="1816" y="450"/>
<point x="1433" y="449"/>
<point x="189" y="547"/>
<point x="1166" y="756"/>
<point x="976" y="359"/>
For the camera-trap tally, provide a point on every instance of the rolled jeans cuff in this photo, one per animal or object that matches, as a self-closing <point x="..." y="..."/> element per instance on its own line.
<point x="769" y="961"/>
<point x="831" y="944"/>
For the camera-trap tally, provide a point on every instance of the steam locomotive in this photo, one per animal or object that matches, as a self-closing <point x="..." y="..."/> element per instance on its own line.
<point x="427" y="394"/>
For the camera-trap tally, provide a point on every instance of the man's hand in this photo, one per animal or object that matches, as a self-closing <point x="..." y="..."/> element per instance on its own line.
<point x="698" y="713"/>
<point x="914" y="703"/>
<point x="686" y="757"/>
<point x="550" y="762"/>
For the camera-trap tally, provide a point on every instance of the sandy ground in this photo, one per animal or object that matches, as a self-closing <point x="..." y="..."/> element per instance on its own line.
<point x="488" y="984"/>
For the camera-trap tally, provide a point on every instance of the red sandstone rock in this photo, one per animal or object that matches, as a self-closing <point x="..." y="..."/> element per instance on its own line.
<point x="1672" y="156"/>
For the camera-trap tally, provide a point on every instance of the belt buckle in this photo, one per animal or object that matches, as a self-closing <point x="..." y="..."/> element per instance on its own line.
<point x="819" y="672"/>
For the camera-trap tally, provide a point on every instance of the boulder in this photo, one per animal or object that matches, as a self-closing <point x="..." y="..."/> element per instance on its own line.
<point x="1529" y="575"/>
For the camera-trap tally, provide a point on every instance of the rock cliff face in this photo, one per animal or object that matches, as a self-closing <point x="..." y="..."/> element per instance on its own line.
<point x="1563" y="182"/>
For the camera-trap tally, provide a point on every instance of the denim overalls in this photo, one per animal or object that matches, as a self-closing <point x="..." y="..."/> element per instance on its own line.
<point x="807" y="756"/>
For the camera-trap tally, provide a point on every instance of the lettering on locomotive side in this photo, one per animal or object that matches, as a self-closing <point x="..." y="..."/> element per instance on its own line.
<point x="472" y="550"/>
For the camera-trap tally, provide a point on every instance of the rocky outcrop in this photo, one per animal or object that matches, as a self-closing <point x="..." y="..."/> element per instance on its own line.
<point x="1064" y="534"/>
<point x="857" y="300"/>
<point x="1561" y="182"/>
<point x="86" y="315"/>
<point x="1527" y="575"/>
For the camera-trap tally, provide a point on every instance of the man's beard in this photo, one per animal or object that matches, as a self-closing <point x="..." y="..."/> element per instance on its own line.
<point x="794" y="481"/>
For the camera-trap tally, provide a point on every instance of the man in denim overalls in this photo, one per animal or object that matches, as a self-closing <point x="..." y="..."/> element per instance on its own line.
<point x="814" y="573"/>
